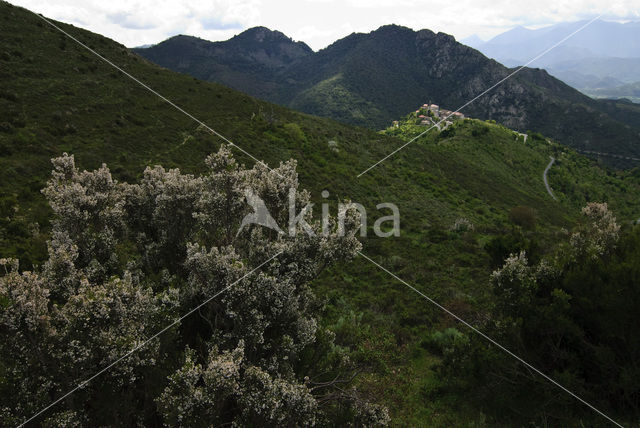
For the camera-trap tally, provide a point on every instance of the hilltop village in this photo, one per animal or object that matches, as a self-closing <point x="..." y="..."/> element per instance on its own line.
<point x="432" y="115"/>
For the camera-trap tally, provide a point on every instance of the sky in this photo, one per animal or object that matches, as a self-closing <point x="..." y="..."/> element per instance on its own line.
<point x="317" y="22"/>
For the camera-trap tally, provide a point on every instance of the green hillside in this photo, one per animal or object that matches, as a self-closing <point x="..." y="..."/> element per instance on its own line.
<point x="56" y="97"/>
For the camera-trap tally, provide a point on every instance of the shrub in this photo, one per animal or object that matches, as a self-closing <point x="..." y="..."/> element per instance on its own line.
<point x="479" y="131"/>
<point x="462" y="225"/>
<point x="125" y="260"/>
<point x="523" y="216"/>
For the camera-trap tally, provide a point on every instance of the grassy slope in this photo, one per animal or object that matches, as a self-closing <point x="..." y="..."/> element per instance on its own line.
<point x="56" y="97"/>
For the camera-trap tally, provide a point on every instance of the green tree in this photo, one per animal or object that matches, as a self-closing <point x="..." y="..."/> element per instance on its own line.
<point x="565" y="315"/>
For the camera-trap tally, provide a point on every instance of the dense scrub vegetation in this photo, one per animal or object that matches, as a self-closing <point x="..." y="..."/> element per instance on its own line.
<point x="125" y="260"/>
<point x="565" y="315"/>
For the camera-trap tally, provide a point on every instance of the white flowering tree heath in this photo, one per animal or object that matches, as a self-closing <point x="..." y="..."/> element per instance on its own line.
<point x="518" y="284"/>
<point x="598" y="235"/>
<point x="126" y="260"/>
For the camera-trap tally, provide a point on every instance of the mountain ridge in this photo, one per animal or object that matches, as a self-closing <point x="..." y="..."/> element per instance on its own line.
<point x="370" y="79"/>
<point x="259" y="52"/>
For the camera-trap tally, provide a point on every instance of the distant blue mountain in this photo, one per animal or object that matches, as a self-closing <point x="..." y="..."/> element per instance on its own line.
<point x="473" y="41"/>
<point x="602" y="55"/>
<point x="600" y="39"/>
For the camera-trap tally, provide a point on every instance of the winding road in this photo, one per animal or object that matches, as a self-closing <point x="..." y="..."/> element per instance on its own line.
<point x="544" y="177"/>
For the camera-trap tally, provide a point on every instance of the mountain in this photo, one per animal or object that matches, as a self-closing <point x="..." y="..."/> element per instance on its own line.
<point x="602" y="55"/>
<point x="249" y="62"/>
<point x="600" y="39"/>
<point x="371" y="79"/>
<point x="473" y="41"/>
<point x="630" y="91"/>
<point x="595" y="73"/>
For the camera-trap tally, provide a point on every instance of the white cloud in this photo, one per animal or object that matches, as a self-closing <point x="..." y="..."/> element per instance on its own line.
<point x="317" y="22"/>
<point x="137" y="22"/>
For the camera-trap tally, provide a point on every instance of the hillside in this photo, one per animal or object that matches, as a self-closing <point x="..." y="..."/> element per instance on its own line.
<point x="56" y="97"/>
<point x="410" y="68"/>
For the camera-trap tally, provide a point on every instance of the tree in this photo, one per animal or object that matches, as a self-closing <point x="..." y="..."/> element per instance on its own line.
<point x="571" y="315"/>
<point x="125" y="260"/>
<point x="598" y="235"/>
<point x="523" y="216"/>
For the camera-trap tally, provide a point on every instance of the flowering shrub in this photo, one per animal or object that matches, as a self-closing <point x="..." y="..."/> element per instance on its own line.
<point x="126" y="260"/>
<point x="600" y="233"/>
<point x="462" y="225"/>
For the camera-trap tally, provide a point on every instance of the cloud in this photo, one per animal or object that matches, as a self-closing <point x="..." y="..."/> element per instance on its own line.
<point x="383" y="4"/>
<point x="317" y="22"/>
<point x="216" y="24"/>
<point x="311" y="33"/>
<point x="137" y="22"/>
<point x="128" y="21"/>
